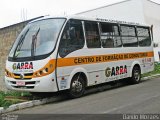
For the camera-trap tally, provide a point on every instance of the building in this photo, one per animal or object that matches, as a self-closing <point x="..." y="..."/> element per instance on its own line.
<point x="139" y="11"/>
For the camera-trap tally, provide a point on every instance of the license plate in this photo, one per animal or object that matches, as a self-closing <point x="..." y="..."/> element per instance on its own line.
<point x="20" y="83"/>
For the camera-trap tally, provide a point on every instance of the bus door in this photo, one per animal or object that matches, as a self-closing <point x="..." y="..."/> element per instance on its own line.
<point x="71" y="44"/>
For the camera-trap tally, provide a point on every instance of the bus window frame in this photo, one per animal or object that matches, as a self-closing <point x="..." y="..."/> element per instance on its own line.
<point x="84" y="39"/>
<point x="149" y="33"/>
<point x="128" y="25"/>
<point x="97" y="22"/>
<point x="119" y="33"/>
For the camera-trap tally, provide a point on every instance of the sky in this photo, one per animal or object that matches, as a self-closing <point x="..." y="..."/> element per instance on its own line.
<point x="15" y="11"/>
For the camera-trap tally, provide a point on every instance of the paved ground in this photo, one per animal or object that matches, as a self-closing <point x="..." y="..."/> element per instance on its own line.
<point x="111" y="104"/>
<point x="140" y="98"/>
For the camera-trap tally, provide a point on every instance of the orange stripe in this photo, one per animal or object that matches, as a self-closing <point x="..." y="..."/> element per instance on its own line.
<point x="62" y="62"/>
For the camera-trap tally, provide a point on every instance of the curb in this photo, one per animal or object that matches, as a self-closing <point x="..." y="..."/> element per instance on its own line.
<point x="29" y="104"/>
<point x="149" y="77"/>
<point x="1" y="110"/>
<point x="33" y="103"/>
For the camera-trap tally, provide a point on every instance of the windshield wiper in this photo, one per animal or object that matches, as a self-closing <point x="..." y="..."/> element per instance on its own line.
<point x="34" y="40"/>
<point x="20" y="43"/>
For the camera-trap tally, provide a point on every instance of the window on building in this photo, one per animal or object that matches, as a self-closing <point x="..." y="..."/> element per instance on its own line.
<point x="110" y="36"/>
<point x="143" y="36"/>
<point x="72" y="38"/>
<point x="92" y="35"/>
<point x="129" y="37"/>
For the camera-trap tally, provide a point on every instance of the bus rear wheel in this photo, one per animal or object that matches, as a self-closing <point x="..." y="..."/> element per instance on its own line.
<point x="77" y="87"/>
<point x="136" y="75"/>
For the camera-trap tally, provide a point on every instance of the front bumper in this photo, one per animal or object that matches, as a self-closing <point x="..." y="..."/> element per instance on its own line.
<point x="39" y="84"/>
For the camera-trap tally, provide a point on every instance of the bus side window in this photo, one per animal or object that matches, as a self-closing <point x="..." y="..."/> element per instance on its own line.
<point x="129" y="37"/>
<point x="110" y="36"/>
<point x="92" y="35"/>
<point x="143" y="36"/>
<point x="72" y="38"/>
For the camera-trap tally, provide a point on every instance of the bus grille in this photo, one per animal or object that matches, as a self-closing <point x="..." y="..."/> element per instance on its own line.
<point x="26" y="76"/>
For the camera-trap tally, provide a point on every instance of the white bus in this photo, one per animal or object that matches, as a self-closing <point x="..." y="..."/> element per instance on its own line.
<point x="72" y="53"/>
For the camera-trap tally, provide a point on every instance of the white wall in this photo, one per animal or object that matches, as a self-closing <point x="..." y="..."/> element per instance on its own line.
<point x="130" y="11"/>
<point x="152" y="17"/>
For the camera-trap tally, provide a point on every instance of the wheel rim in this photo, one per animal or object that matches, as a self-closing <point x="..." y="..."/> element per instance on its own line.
<point x="137" y="75"/>
<point x="77" y="86"/>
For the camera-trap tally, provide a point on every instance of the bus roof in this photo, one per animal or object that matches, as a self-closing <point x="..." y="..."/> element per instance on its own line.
<point x="91" y="19"/>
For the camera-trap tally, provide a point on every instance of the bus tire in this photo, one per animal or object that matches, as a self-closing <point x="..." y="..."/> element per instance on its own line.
<point x="136" y="75"/>
<point x="77" y="87"/>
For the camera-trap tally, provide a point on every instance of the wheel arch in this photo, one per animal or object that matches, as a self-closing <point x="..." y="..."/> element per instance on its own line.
<point x="135" y="63"/>
<point x="78" y="71"/>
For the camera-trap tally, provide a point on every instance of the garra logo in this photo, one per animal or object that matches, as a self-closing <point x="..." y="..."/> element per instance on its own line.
<point x="24" y="65"/>
<point x="118" y="70"/>
<point x="108" y="72"/>
<point x="14" y="66"/>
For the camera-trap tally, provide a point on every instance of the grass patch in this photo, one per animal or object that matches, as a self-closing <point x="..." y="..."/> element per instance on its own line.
<point x="156" y="70"/>
<point x="12" y="97"/>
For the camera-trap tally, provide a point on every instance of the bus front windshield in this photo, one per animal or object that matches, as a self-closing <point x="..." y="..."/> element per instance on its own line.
<point x="37" y="38"/>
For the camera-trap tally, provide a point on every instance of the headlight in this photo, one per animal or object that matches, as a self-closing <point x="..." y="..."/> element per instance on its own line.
<point x="8" y="74"/>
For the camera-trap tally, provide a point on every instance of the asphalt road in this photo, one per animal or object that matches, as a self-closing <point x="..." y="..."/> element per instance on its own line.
<point x="141" y="98"/>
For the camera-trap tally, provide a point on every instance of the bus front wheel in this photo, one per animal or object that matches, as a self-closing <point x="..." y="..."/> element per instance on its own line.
<point x="77" y="87"/>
